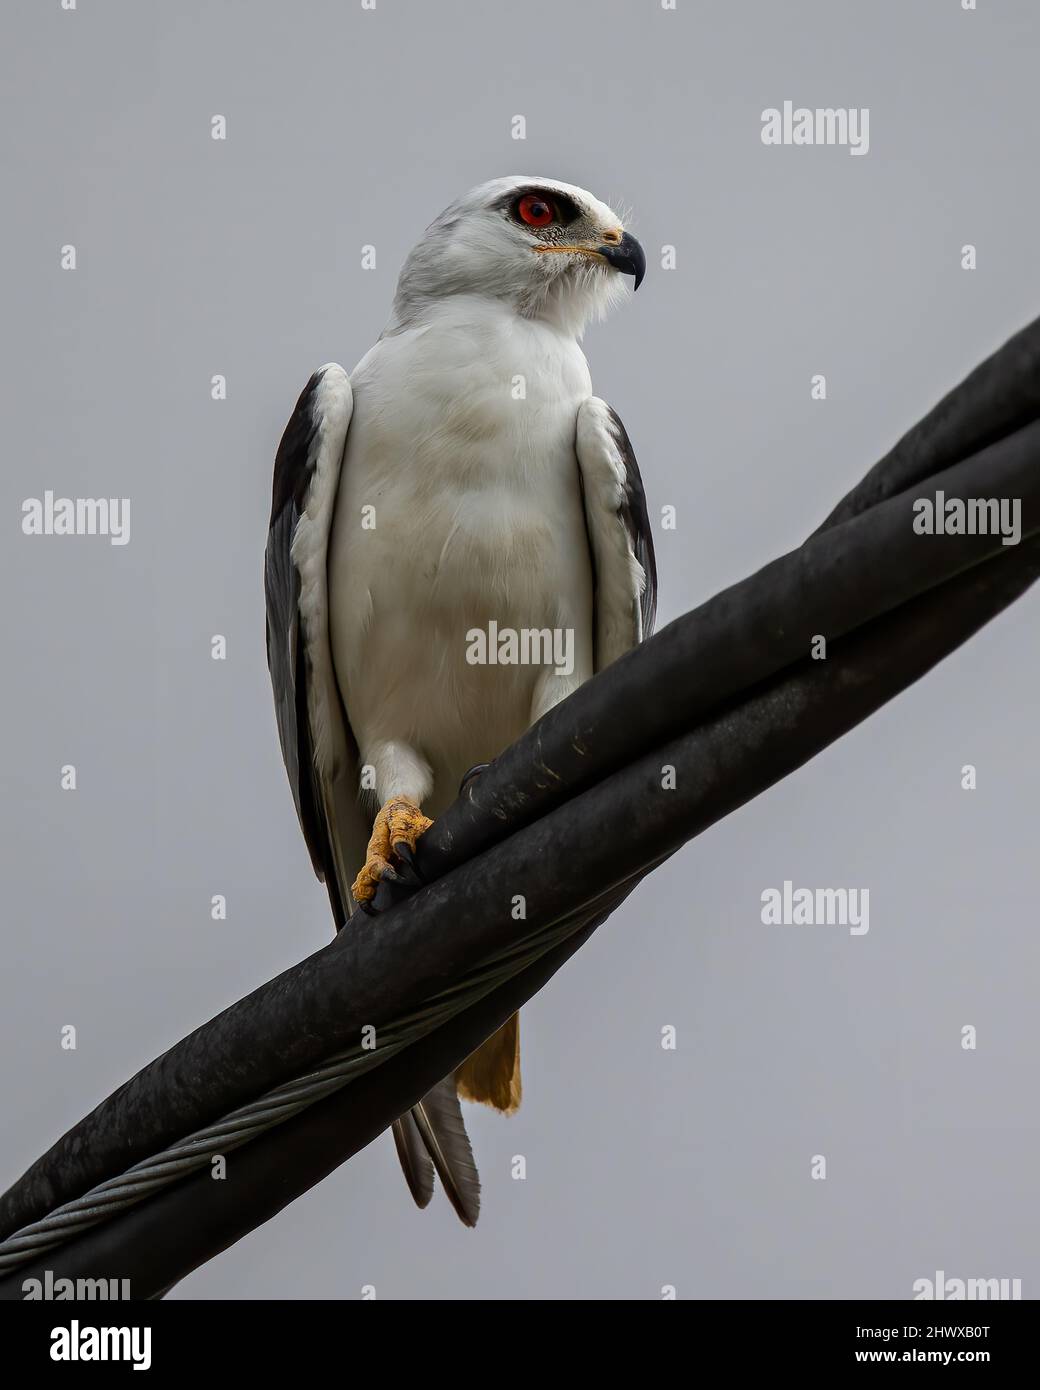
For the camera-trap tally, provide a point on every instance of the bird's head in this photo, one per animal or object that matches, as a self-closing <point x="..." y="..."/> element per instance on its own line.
<point x="548" y="249"/>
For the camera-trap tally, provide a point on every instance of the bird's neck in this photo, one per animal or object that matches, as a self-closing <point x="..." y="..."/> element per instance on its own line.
<point x="563" y="316"/>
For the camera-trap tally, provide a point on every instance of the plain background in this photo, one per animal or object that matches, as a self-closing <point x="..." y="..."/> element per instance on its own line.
<point x="349" y="127"/>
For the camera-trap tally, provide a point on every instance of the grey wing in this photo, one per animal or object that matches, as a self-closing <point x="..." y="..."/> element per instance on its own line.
<point x="620" y="540"/>
<point x="431" y="1137"/>
<point x="438" y="1121"/>
<point x="414" y="1158"/>
<point x="317" y="745"/>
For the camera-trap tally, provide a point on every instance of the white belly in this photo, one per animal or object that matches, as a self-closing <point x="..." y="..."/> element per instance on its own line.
<point x="459" y="507"/>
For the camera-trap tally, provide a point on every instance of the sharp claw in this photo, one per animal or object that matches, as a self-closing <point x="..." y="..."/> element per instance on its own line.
<point x="405" y="854"/>
<point x="403" y="818"/>
<point x="471" y="774"/>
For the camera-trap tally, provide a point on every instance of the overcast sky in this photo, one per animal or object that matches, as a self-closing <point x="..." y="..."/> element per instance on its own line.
<point x="196" y="257"/>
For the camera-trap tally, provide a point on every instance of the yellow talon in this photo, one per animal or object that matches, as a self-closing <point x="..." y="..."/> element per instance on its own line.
<point x="400" y="822"/>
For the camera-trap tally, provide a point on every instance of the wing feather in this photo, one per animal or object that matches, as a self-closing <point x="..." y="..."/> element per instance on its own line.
<point x="317" y="744"/>
<point x="621" y="542"/>
<point x="438" y="1118"/>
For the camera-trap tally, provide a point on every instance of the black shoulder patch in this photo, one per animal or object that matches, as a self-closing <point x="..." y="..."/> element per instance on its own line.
<point x="294" y="461"/>
<point x="287" y="656"/>
<point x="636" y="521"/>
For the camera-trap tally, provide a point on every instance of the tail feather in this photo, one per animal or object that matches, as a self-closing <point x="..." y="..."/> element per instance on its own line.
<point x="438" y="1120"/>
<point x="415" y="1161"/>
<point x="491" y="1075"/>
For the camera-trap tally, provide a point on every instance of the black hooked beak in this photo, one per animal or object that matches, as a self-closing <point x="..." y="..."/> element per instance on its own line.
<point x="627" y="256"/>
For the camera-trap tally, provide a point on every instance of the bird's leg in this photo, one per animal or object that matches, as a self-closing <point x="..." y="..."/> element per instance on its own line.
<point x="403" y="781"/>
<point x="396" y="829"/>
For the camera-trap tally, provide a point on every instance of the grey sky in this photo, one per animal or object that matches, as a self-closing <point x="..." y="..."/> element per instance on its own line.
<point x="195" y="257"/>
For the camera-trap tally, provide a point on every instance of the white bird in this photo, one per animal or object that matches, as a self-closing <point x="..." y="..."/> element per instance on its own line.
<point x="461" y="494"/>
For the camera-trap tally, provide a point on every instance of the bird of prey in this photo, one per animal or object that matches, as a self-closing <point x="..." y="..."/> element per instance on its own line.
<point x="462" y="479"/>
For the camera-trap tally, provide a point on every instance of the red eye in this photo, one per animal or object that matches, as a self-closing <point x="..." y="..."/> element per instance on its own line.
<point x="535" y="211"/>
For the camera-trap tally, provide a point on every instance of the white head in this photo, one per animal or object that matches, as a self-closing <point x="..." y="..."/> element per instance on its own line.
<point x="547" y="249"/>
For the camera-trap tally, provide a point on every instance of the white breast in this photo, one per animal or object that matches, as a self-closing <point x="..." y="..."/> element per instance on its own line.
<point x="459" y="504"/>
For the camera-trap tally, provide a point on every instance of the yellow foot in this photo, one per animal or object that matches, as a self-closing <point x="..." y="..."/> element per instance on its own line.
<point x="400" y="822"/>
